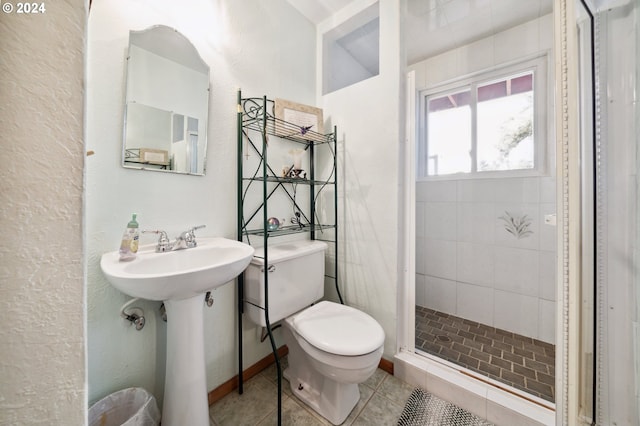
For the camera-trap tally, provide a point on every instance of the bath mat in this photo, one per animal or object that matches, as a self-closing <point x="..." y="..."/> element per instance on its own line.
<point x="424" y="409"/>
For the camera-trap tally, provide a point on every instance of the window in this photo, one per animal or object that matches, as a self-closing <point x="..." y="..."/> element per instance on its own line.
<point x="488" y="124"/>
<point x="351" y="51"/>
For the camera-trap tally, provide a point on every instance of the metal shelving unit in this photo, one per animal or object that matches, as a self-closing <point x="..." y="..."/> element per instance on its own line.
<point x="258" y="127"/>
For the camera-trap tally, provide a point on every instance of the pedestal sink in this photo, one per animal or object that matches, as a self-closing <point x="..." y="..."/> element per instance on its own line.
<point x="181" y="278"/>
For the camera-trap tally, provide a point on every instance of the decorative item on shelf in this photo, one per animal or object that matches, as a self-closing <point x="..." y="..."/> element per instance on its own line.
<point x="297" y="120"/>
<point x="274" y="223"/>
<point x="296" y="174"/>
<point x="296" y="171"/>
<point x="296" y="220"/>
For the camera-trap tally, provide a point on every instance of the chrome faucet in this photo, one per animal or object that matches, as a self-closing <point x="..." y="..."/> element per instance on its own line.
<point x="163" y="241"/>
<point x="187" y="239"/>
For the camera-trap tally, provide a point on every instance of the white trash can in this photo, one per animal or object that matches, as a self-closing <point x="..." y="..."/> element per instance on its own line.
<point x="128" y="407"/>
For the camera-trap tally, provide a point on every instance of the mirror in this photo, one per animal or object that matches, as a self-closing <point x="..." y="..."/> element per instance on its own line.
<point x="167" y="103"/>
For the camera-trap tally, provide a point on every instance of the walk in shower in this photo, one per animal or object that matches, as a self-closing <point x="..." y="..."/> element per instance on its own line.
<point x="485" y="298"/>
<point x="492" y="265"/>
<point x="485" y="191"/>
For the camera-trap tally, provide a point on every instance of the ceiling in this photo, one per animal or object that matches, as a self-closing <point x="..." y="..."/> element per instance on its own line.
<point x="434" y="26"/>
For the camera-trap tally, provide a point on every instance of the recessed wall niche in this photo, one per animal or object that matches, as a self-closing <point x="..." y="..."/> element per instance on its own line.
<point x="351" y="51"/>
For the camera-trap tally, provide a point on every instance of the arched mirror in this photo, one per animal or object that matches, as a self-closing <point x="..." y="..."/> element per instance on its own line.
<point x="167" y="103"/>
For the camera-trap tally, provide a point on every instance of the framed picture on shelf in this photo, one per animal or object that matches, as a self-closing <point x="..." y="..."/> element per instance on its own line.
<point x="296" y="120"/>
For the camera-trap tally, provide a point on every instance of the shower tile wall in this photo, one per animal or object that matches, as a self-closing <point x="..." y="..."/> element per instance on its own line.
<point x="469" y="265"/>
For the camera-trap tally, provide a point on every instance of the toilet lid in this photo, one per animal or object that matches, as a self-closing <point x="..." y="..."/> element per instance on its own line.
<point x="339" y="329"/>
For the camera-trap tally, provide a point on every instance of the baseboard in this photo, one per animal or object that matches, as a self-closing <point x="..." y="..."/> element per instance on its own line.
<point x="386" y="365"/>
<point x="232" y="384"/>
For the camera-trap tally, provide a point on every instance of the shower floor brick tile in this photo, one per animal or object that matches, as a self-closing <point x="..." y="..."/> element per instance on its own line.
<point x="464" y="350"/>
<point x="473" y="344"/>
<point x="548" y="360"/>
<point x="518" y="361"/>
<point x="523" y="352"/>
<point x="480" y="356"/>
<point x="538" y="366"/>
<point x="512" y="377"/>
<point x="466" y="334"/>
<point x="491" y="370"/>
<point x="502" y="346"/>
<point x="450" y="354"/>
<point x="469" y="361"/>
<point x="546" y="379"/>
<point x="526" y="372"/>
<point x="539" y="387"/>
<point x="483" y="340"/>
<point x="501" y="363"/>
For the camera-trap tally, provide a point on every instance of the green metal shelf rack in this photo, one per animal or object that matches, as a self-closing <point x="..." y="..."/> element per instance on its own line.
<point x="257" y="121"/>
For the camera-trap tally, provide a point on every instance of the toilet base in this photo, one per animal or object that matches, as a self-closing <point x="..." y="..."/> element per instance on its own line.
<point x="332" y="400"/>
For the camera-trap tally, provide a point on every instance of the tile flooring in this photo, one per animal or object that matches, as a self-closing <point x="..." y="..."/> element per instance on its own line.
<point x="382" y="399"/>
<point x="521" y="362"/>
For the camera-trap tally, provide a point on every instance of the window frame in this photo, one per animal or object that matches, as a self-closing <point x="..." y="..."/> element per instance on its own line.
<point x="539" y="66"/>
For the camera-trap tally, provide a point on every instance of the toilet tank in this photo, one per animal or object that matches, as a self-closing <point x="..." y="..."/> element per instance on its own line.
<point x="295" y="278"/>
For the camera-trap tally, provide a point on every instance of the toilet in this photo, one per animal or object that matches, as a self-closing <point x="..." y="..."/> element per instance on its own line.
<point x="332" y="347"/>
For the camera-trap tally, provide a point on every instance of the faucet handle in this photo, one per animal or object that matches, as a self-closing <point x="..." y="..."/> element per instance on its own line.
<point x="164" y="244"/>
<point x="190" y="236"/>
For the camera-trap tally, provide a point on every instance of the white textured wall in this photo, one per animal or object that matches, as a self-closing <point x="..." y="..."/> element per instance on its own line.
<point x="368" y="118"/>
<point x="467" y="264"/>
<point x="266" y="48"/>
<point x="42" y="357"/>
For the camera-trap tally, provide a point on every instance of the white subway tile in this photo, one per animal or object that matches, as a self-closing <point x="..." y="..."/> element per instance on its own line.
<point x="438" y="190"/>
<point x="477" y="190"/>
<point x="420" y="255"/>
<point x="545" y="24"/>
<point x="516" y="313"/>
<point x="475" y="303"/>
<point x="421" y="290"/>
<point x="547" y="321"/>
<point x="440" y="295"/>
<point x="440" y="259"/>
<point x="477" y="56"/>
<point x="548" y="189"/>
<point x="517" y="270"/>
<point x="548" y="233"/>
<point x="440" y="221"/>
<point x="441" y="68"/>
<point x="518" y="41"/>
<point x="420" y="219"/>
<point x="476" y="222"/>
<point x="517" y="190"/>
<point x="475" y="264"/>
<point x="548" y="287"/>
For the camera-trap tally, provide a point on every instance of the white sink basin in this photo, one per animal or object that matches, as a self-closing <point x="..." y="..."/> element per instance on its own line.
<point x="177" y="274"/>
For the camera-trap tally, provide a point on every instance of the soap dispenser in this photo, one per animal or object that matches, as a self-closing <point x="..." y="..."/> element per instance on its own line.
<point x="129" y="244"/>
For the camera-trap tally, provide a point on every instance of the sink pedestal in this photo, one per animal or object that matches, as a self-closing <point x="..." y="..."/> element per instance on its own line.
<point x="181" y="278"/>
<point x="185" y="388"/>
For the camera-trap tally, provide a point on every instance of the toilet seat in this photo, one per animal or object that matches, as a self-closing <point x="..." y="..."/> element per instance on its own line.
<point x="338" y="329"/>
